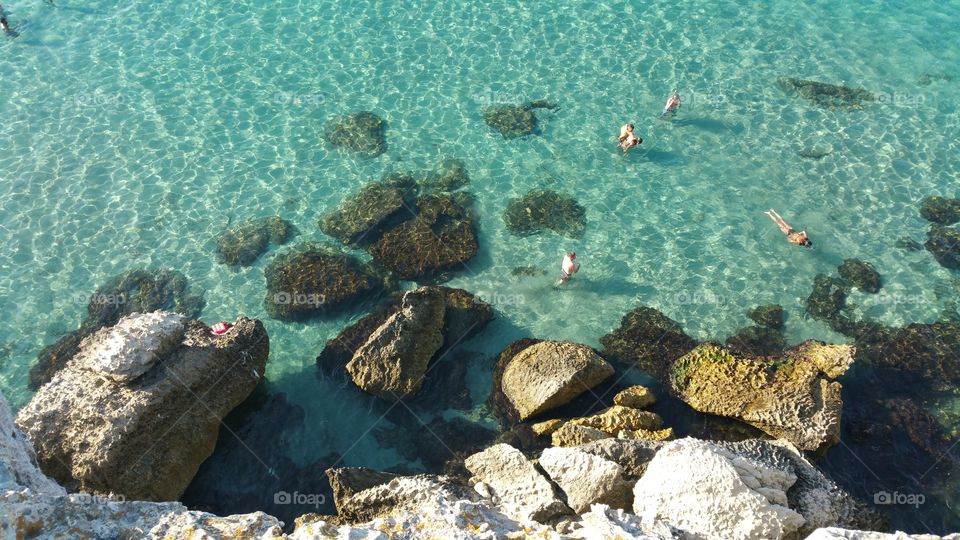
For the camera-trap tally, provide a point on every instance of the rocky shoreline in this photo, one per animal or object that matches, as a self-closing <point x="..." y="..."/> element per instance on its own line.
<point x="127" y="402"/>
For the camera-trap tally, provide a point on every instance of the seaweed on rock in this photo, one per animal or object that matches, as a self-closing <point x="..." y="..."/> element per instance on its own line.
<point x="861" y="275"/>
<point x="944" y="244"/>
<point x="545" y="209"/>
<point x="826" y="95"/>
<point x="827" y="298"/>
<point x="313" y="280"/>
<point x="514" y="121"/>
<point x="940" y="210"/>
<point x="362" y="132"/>
<point x="649" y="340"/>
<point x="363" y="217"/>
<point x="243" y="243"/>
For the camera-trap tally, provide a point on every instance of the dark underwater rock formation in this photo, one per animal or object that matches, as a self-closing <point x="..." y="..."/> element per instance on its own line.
<point x="514" y="121"/>
<point x="770" y="315"/>
<point x="254" y="444"/>
<point x="362" y="132"/>
<point x="940" y="210"/>
<point x="441" y="237"/>
<point x="123" y="415"/>
<point x="757" y="341"/>
<point x="861" y="275"/>
<point x="814" y="152"/>
<point x="243" y="243"/>
<point x="313" y="280"/>
<point x="826" y="95"/>
<point x="827" y="299"/>
<point x="438" y="442"/>
<point x="944" y="244"/>
<point x="136" y="291"/>
<point x="364" y="216"/>
<point x="545" y="209"/>
<point x="450" y="175"/>
<point x="649" y="340"/>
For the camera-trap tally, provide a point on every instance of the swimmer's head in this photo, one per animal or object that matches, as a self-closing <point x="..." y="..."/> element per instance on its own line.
<point x="572" y="255"/>
<point x="629" y="127"/>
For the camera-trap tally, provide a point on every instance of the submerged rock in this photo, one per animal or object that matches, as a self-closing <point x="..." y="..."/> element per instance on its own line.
<point x="122" y="416"/>
<point x="940" y="210"/>
<point x="827" y="299"/>
<point x="438" y="442"/>
<point x="362" y="132"/>
<point x="135" y="291"/>
<point x="243" y="243"/>
<point x="757" y="341"/>
<point x="363" y="217"/>
<point x="519" y="487"/>
<point x="441" y="237"/>
<point x="511" y="121"/>
<point x="861" y="275"/>
<point x="311" y="280"/>
<point x="944" y="244"/>
<point x="917" y="353"/>
<point x="528" y="271"/>
<point x="826" y="95"/>
<point x="908" y="244"/>
<point x="450" y="175"/>
<point x="549" y="374"/>
<point x="545" y="209"/>
<point x="649" y="340"/>
<point x="770" y="316"/>
<point x="795" y="398"/>
<point x="814" y="152"/>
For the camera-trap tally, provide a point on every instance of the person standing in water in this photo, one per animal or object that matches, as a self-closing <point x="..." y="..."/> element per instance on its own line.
<point x="794" y="237"/>
<point x="628" y="139"/>
<point x="673" y="103"/>
<point x="568" y="268"/>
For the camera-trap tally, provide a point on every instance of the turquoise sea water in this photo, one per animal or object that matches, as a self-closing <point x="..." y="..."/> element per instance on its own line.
<point x="132" y="134"/>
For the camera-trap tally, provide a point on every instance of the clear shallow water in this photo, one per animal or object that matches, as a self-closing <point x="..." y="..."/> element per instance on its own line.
<point x="132" y="134"/>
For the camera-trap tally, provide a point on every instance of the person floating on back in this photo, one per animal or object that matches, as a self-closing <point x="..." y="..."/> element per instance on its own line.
<point x="794" y="237"/>
<point x="673" y="103"/>
<point x="628" y="139"/>
<point x="568" y="268"/>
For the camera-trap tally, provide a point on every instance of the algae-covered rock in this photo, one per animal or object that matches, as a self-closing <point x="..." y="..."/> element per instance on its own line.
<point x="364" y="216"/>
<point x="827" y="299"/>
<point x="637" y="397"/>
<point x="940" y="210"/>
<point x="362" y="132"/>
<point x="649" y="340"/>
<point x="136" y="291"/>
<point x="311" y="280"/>
<point x="514" y="121"/>
<point x="944" y="244"/>
<point x="794" y="398"/>
<point x="618" y="418"/>
<point x="440" y="238"/>
<point x="243" y="243"/>
<point x="770" y="315"/>
<point x="545" y="209"/>
<point x="826" y="95"/>
<point x="450" y="175"/>
<point x="861" y="275"/>
<point x="549" y="374"/>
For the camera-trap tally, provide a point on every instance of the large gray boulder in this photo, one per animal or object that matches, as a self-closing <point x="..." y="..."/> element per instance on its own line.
<point x="137" y="410"/>
<point x="586" y="479"/>
<point x="549" y="374"/>
<point x="392" y="362"/>
<point x="515" y="483"/>
<point x="345" y="482"/>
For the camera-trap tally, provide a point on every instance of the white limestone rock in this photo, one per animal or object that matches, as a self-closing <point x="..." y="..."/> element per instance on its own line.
<point x="134" y="345"/>
<point x="706" y="490"/>
<point x="18" y="462"/>
<point x="516" y="484"/>
<point x="586" y="479"/>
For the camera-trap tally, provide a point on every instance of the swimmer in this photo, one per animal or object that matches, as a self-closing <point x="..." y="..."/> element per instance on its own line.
<point x="673" y="103"/>
<point x="628" y="139"/>
<point x="5" y="25"/>
<point x="568" y="268"/>
<point x="794" y="237"/>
